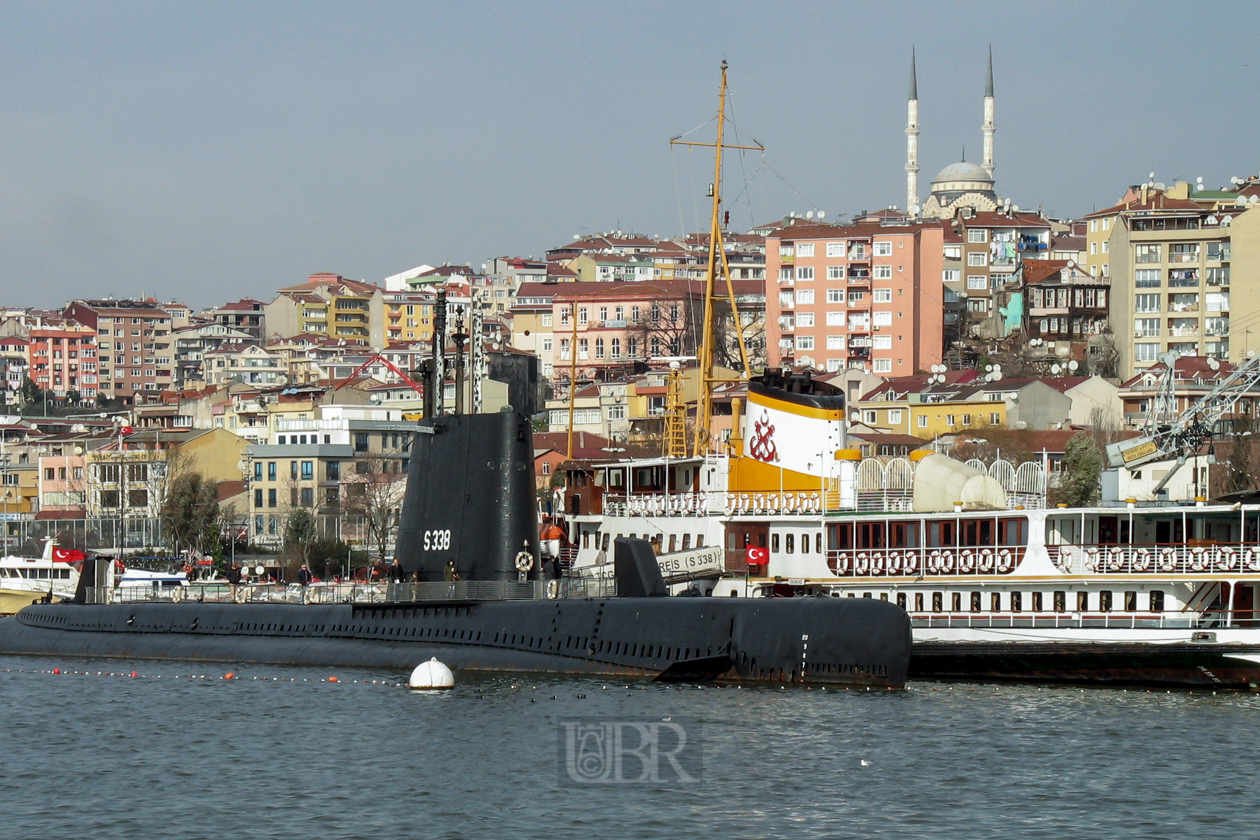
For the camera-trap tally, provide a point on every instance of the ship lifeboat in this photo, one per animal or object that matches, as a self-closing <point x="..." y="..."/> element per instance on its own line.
<point x="966" y="562"/>
<point x="1167" y="559"/>
<point x="1005" y="562"/>
<point x="1141" y="560"/>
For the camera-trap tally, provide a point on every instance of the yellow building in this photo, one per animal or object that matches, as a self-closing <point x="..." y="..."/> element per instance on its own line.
<point x="928" y="420"/>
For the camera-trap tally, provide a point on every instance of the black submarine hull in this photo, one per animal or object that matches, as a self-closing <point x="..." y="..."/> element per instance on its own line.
<point x="858" y="642"/>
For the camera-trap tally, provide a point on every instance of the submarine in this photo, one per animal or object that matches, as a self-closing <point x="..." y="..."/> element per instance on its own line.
<point x="470" y="501"/>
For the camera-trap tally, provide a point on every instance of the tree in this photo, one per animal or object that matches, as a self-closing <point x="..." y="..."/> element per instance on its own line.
<point x="300" y="532"/>
<point x="190" y="513"/>
<point x="374" y="493"/>
<point x="1082" y="466"/>
<point x="1239" y="468"/>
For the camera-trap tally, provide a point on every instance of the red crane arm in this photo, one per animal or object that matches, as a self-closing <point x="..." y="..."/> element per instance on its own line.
<point x="419" y="389"/>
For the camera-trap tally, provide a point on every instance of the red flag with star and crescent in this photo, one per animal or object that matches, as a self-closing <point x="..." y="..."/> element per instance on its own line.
<point x="67" y="555"/>
<point x="757" y="555"/>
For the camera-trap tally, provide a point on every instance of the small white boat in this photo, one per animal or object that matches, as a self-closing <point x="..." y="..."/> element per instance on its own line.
<point x="24" y="580"/>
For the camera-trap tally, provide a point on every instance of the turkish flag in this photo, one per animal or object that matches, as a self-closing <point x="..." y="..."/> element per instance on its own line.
<point x="757" y="556"/>
<point x="63" y="555"/>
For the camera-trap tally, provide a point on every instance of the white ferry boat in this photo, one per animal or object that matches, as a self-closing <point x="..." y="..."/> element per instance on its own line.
<point x="997" y="586"/>
<point x="24" y="580"/>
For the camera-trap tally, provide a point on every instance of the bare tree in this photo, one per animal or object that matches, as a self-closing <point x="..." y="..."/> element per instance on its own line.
<point x="374" y="495"/>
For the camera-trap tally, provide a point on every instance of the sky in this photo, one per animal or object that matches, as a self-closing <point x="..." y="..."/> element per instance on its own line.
<point x="209" y="151"/>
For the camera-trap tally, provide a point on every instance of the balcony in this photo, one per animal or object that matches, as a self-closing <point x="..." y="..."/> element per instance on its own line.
<point x="859" y="255"/>
<point x="859" y="326"/>
<point x="1184" y="256"/>
<point x="859" y="276"/>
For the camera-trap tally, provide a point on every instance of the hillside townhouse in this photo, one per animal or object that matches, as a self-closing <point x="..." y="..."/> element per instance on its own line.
<point x="994" y="245"/>
<point x="194" y="341"/>
<point x="866" y="296"/>
<point x="243" y="316"/>
<point x="533" y="320"/>
<point x="246" y="363"/>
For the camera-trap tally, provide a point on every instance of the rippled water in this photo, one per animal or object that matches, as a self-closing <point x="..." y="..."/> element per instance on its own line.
<point x="166" y="756"/>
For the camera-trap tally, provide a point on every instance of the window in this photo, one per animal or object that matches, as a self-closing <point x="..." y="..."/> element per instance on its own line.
<point x="1157" y="600"/>
<point x="977" y="258"/>
<point x="293" y="468"/>
<point x="1146" y="278"/>
<point x="835" y="272"/>
<point x="977" y="281"/>
<point x="308" y="470"/>
<point x="271" y="470"/>
<point x="977" y="235"/>
<point x="883" y="365"/>
<point x="271" y="497"/>
<point x="922" y="421"/>
<point x="804" y="272"/>
<point x="1146" y="253"/>
<point x="1146" y="303"/>
<point x="804" y="342"/>
<point x="333" y="470"/>
<point x="308" y="496"/>
<point x="835" y="296"/>
<point x="804" y="296"/>
<point x="883" y="249"/>
<point x="835" y="342"/>
<point x="360" y="442"/>
<point x="805" y="249"/>
<point x="835" y="249"/>
<point x="1017" y="601"/>
<point x="951" y="275"/>
<point x="546" y="319"/>
<point x="616" y="348"/>
<point x="882" y="319"/>
<point x="603" y="313"/>
<point x="883" y="272"/>
<point x="805" y="319"/>
<point x="1145" y="352"/>
<point x="995" y="419"/>
<point x="1104" y="601"/>
<point x="599" y="348"/>
<point x="882" y="295"/>
<point x="835" y="319"/>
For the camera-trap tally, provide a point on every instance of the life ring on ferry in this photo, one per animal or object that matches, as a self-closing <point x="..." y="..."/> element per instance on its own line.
<point x="966" y="562"/>
<point x="947" y="562"/>
<point x="894" y="563"/>
<point x="878" y="562"/>
<point x="1197" y="563"/>
<point x="1253" y="559"/>
<point x="911" y="563"/>
<point x="862" y="565"/>
<point x="524" y="561"/>
<point x="177" y="594"/>
<point x="1115" y="559"/>
<point x="985" y="563"/>
<point x="1167" y="559"/>
<point x="934" y="562"/>
<point x="1226" y="559"/>
<point x="1091" y="559"/>
<point x="1141" y="560"/>
<point x="1005" y="562"/>
<point x="241" y="595"/>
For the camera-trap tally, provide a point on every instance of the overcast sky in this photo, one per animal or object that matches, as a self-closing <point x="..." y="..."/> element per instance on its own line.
<point x="205" y="151"/>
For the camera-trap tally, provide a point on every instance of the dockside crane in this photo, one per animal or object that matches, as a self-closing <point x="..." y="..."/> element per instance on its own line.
<point x="1168" y="433"/>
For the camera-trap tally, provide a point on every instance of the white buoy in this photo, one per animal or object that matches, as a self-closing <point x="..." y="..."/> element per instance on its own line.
<point x="431" y="675"/>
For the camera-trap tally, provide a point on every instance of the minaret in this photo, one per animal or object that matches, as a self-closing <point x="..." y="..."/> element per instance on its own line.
<point x="912" y="144"/>
<point x="989" y="126"/>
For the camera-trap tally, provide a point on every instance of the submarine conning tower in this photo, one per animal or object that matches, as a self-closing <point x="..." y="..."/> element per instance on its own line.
<point x="470" y="497"/>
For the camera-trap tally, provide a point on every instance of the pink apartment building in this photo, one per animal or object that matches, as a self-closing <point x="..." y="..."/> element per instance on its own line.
<point x="866" y="295"/>
<point x="63" y="359"/>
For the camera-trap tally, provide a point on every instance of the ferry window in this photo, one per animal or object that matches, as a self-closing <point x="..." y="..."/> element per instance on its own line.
<point x="956" y="605"/>
<point x="686" y="541"/>
<point x="977" y="532"/>
<point x="995" y="602"/>
<point x="975" y="602"/>
<point x="941" y="534"/>
<point x="901" y="600"/>
<point x="1157" y="600"/>
<point x="1130" y="602"/>
<point x="586" y="539"/>
<point x="817" y="543"/>
<point x="1108" y="530"/>
<point x="1104" y="601"/>
<point x="804" y="543"/>
<point x="673" y="540"/>
<point x="866" y="594"/>
<point x="1013" y="531"/>
<point x="1082" y="602"/>
<point x="1036" y="602"/>
<point x="937" y="601"/>
<point x="1060" y="601"/>
<point x="700" y="540"/>
<point x="774" y="542"/>
<point x="789" y="543"/>
<point x="840" y="536"/>
<point x="870" y="535"/>
<point x="904" y="535"/>
<point x="730" y="542"/>
<point x="883" y="596"/>
<point x="1017" y="601"/>
<point x="918" y="602"/>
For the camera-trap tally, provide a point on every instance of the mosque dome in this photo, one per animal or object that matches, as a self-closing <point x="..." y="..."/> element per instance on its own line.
<point x="963" y="171"/>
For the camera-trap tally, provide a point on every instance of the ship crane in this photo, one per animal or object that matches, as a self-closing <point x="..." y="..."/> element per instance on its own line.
<point x="1169" y="434"/>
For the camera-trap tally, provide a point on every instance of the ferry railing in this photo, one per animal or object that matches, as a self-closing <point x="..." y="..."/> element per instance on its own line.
<point x="924" y="562"/>
<point x="1197" y="620"/>
<point x="1225" y="558"/>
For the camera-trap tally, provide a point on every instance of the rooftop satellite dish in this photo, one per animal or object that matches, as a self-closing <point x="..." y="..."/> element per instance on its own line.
<point x="1255" y="198"/>
<point x="988" y="368"/>
<point x="821" y="215"/>
<point x="1151" y="176"/>
<point x="1073" y="365"/>
<point x="809" y="215"/>
<point x="997" y="369"/>
<point x="792" y="215"/>
<point x="1015" y="207"/>
<point x="1055" y="369"/>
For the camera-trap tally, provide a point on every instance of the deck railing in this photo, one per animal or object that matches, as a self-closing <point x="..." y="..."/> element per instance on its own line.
<point x="924" y="562"/>
<point x="1156" y="559"/>
<point x="1195" y="620"/>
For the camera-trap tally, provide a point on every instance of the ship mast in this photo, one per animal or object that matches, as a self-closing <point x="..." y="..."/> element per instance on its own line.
<point x="717" y="261"/>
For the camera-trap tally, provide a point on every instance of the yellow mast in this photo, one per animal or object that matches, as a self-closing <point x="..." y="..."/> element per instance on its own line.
<point x="717" y="261"/>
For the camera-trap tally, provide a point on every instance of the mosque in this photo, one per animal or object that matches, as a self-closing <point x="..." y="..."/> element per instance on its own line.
<point x="958" y="185"/>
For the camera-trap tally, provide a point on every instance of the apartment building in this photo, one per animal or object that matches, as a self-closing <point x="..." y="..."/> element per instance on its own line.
<point x="62" y="360"/>
<point x="868" y="296"/>
<point x="328" y="305"/>
<point x="247" y="363"/>
<point x="192" y="343"/>
<point x="1168" y="262"/>
<point x="408" y="316"/>
<point x="994" y="245"/>
<point x="245" y="315"/>
<point x="134" y="345"/>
